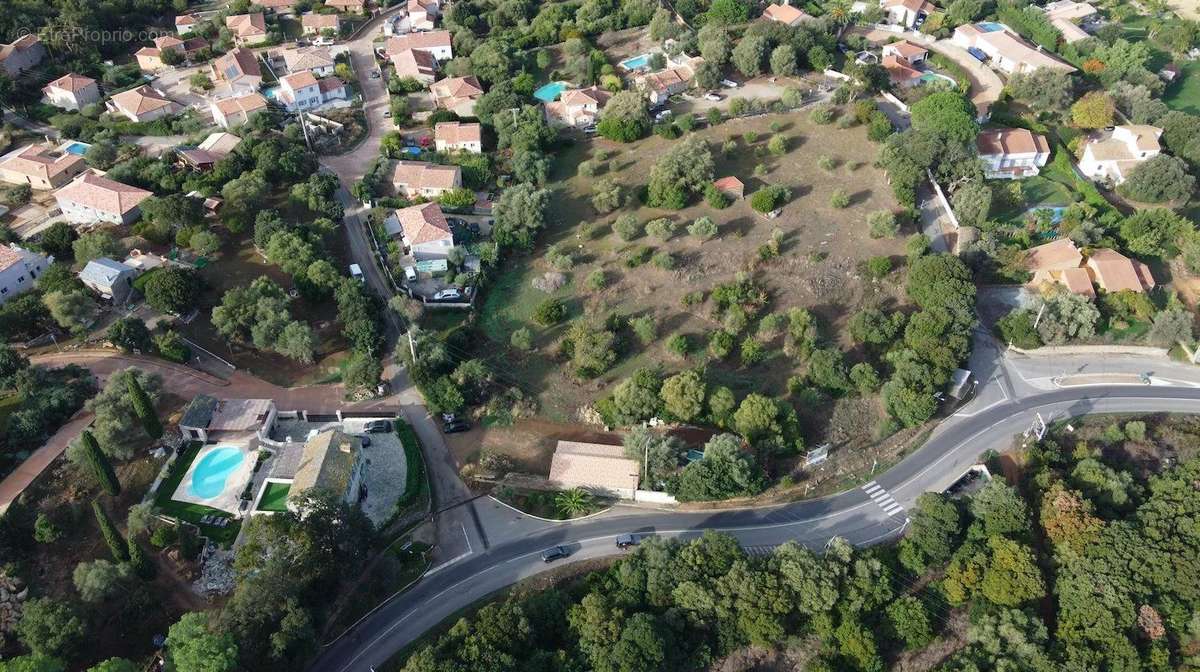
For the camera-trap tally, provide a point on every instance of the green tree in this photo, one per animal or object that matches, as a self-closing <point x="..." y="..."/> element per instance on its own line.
<point x="172" y="290"/>
<point x="98" y="580"/>
<point x="573" y="503"/>
<point x="756" y="417"/>
<point x="724" y="471"/>
<point x="1161" y="178"/>
<point x="73" y="310"/>
<point x="1094" y="110"/>
<point x="683" y="395"/>
<point x="98" y="464"/>
<point x="95" y="245"/>
<point x="193" y="646"/>
<point x="51" y="628"/>
<point x="115" y="665"/>
<point x="827" y="369"/>
<point x="520" y="215"/>
<point x="116" y="543"/>
<point x="933" y="534"/>
<point x="1154" y="232"/>
<point x="141" y="565"/>
<point x="1044" y="89"/>
<point x="129" y="334"/>
<point x="947" y="114"/>
<point x="624" y="118"/>
<point x="636" y="399"/>
<point x="972" y="202"/>
<point x="749" y="55"/>
<point x="144" y="408"/>
<point x="909" y="620"/>
<point x="1001" y="509"/>
<point x="1012" y="576"/>
<point x="681" y="173"/>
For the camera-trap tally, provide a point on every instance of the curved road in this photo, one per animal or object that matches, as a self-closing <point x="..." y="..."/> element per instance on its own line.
<point x="854" y="515"/>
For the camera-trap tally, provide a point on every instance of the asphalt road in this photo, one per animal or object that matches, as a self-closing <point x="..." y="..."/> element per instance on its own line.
<point x="855" y="515"/>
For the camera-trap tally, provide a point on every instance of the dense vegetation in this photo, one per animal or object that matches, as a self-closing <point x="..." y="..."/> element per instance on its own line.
<point x="1082" y="567"/>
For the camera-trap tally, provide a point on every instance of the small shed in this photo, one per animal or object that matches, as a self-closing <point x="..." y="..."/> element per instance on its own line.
<point x="109" y="278"/>
<point x="731" y="187"/>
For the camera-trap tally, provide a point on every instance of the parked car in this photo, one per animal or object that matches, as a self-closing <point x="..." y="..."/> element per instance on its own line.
<point x="357" y="274"/>
<point x="714" y="97"/>
<point x="729" y="84"/>
<point x="978" y="53"/>
<point x="447" y="295"/>
<point x="377" y="427"/>
<point x="456" y="426"/>
<point x="626" y="541"/>
<point x="554" y="553"/>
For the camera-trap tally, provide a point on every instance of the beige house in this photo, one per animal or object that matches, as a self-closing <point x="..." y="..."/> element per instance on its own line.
<point x="185" y="24"/>
<point x="1110" y="156"/>
<point x="21" y="55"/>
<point x="72" y="92"/>
<point x="93" y="199"/>
<point x="149" y="60"/>
<point x="661" y="85"/>
<point x="275" y="6"/>
<point x="41" y="167"/>
<point x="423" y="230"/>
<point x="600" y="468"/>
<point x="786" y="14"/>
<point x="1011" y="153"/>
<point x="429" y="180"/>
<point x="577" y="107"/>
<point x="455" y="136"/>
<point x="230" y="112"/>
<point x="210" y="420"/>
<point x="316" y="24"/>
<point x="247" y="28"/>
<point x="317" y="60"/>
<point x="238" y="69"/>
<point x="417" y="64"/>
<point x="1114" y="272"/>
<point x="356" y="6"/>
<point x="142" y="104"/>
<point x="332" y="461"/>
<point x="1008" y="52"/>
<point x="1059" y="262"/>
<point x="457" y="94"/>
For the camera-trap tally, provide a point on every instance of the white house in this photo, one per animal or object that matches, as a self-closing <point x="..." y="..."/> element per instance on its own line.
<point x="142" y="104"/>
<point x="1111" y="155"/>
<point x="109" y="278"/>
<point x="40" y="167"/>
<point x="430" y="180"/>
<point x="907" y="13"/>
<point x="423" y="230"/>
<point x="661" y="85"/>
<point x="91" y="199"/>
<point x="436" y="42"/>
<point x="72" y="92"/>
<point x="19" y="269"/>
<point x="1008" y="53"/>
<point x="578" y="107"/>
<point x="355" y="6"/>
<point x="454" y="136"/>
<point x="230" y="112"/>
<point x="303" y="91"/>
<point x="21" y="55"/>
<point x="1066" y="15"/>
<point x="1012" y="153"/>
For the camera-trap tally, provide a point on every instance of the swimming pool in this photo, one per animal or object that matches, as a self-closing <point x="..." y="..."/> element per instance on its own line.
<point x="931" y="77"/>
<point x="548" y="93"/>
<point x="78" y="148"/>
<point x="989" y="26"/>
<point x="213" y="470"/>
<point x="637" y="62"/>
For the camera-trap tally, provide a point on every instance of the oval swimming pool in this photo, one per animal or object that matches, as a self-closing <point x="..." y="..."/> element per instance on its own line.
<point x="213" y="469"/>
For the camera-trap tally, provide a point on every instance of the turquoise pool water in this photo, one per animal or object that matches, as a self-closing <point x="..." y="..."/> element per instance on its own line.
<point x="989" y="26"/>
<point x="548" y="93"/>
<point x="78" y="148"/>
<point x="637" y="62"/>
<point x="211" y="472"/>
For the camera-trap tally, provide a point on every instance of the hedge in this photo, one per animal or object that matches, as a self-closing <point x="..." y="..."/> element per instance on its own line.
<point x="414" y="475"/>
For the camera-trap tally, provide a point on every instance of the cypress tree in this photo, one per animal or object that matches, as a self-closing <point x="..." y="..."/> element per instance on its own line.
<point x="137" y="558"/>
<point x="116" y="543"/>
<point x="143" y="408"/>
<point x="98" y="462"/>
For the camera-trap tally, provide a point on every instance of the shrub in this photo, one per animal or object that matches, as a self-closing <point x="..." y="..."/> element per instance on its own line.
<point x="661" y="228"/>
<point x="883" y="224"/>
<point x="750" y="137"/>
<point x="720" y="344"/>
<point x="769" y="198"/>
<point x="753" y="351"/>
<point x="839" y="199"/>
<point x="821" y="115"/>
<point x="588" y="169"/>
<point x="664" y="260"/>
<point x="45" y="531"/>
<point x="163" y="537"/>
<point x="637" y="256"/>
<point x="645" y="328"/>
<point x="596" y="280"/>
<point x="879" y="267"/>
<point x="522" y="339"/>
<point x="715" y="198"/>
<point x="1017" y="328"/>
<point x="777" y="145"/>
<point x="703" y="228"/>
<point x="668" y="131"/>
<point x="172" y="347"/>
<point x="679" y="345"/>
<point x="1135" y="430"/>
<point x="826" y="163"/>
<point x="550" y="312"/>
<point x="714" y="116"/>
<point x="628" y="227"/>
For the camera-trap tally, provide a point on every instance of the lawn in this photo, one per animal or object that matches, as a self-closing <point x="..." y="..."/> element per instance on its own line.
<point x="1184" y="94"/>
<point x="189" y="512"/>
<point x="275" y="497"/>
<point x="819" y="265"/>
<point x="1039" y="192"/>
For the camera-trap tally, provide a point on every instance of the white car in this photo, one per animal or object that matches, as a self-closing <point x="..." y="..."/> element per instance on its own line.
<point x="447" y="295"/>
<point x="714" y="97"/>
<point x="665" y="114"/>
<point x="323" y="41"/>
<point x="729" y="84"/>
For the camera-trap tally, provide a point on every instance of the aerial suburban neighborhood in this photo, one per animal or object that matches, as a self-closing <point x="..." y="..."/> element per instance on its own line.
<point x="612" y="335"/>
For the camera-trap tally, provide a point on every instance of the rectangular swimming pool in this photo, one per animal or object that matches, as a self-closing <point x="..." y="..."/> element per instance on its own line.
<point x="548" y="93"/>
<point x="77" y="148"/>
<point x="989" y="26"/>
<point x="637" y="62"/>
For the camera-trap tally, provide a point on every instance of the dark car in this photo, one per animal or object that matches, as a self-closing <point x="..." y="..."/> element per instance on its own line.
<point x="366" y="441"/>
<point x="626" y="541"/>
<point x="456" y="426"/>
<point x="377" y="427"/>
<point x="554" y="553"/>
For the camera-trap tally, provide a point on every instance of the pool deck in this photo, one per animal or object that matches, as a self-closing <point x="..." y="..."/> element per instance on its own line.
<point x="231" y="495"/>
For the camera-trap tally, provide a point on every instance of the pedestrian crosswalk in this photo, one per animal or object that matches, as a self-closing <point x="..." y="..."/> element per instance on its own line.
<point x="882" y="498"/>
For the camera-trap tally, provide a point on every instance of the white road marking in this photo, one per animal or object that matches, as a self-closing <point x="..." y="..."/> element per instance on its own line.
<point x="882" y="498"/>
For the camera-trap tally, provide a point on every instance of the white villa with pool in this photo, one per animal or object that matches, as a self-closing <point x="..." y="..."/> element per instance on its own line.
<point x="231" y="430"/>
